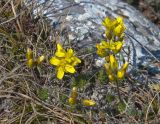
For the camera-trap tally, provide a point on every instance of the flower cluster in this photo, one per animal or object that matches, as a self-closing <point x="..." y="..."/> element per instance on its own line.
<point x="112" y="70"/>
<point x="31" y="62"/>
<point x="73" y="99"/>
<point x="65" y="61"/>
<point x="114" y="27"/>
<point x="111" y="46"/>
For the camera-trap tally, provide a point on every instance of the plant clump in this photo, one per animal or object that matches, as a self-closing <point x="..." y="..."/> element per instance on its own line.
<point x="111" y="47"/>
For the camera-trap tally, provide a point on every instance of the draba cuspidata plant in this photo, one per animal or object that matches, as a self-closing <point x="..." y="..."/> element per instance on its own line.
<point x="111" y="46"/>
<point x="73" y="99"/>
<point x="65" y="60"/>
<point x="31" y="61"/>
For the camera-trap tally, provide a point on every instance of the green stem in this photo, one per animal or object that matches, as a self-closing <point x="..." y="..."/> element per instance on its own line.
<point x="117" y="84"/>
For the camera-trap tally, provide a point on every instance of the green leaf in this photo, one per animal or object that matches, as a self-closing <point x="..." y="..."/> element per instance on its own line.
<point x="110" y="98"/>
<point x="43" y="94"/>
<point x="121" y="106"/>
<point x="102" y="76"/>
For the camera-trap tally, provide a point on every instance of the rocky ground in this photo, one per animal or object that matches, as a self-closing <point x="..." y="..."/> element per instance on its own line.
<point x="36" y="96"/>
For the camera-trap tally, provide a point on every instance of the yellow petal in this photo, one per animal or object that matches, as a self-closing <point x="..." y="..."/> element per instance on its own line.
<point x="108" y="34"/>
<point x="59" y="47"/>
<point x="125" y="66"/>
<point x="120" y="74"/>
<point x="118" y="46"/>
<point x="30" y="63"/>
<point x="29" y="54"/>
<point x="60" y="73"/>
<point x="113" y="62"/>
<point x="119" y="20"/>
<point x="119" y="30"/>
<point x="88" y="103"/>
<point x="60" y="54"/>
<point x="40" y="59"/>
<point x="105" y="44"/>
<point x="98" y="46"/>
<point x="68" y="60"/>
<point x="72" y="101"/>
<point x="107" y="23"/>
<point x="70" y="69"/>
<point x="69" y="53"/>
<point x="76" y="61"/>
<point x="74" y="93"/>
<point x="54" y="61"/>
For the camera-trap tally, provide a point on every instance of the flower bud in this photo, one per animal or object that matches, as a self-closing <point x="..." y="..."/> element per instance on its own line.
<point x="40" y="59"/>
<point x="88" y="103"/>
<point x="29" y="54"/>
<point x="72" y="101"/>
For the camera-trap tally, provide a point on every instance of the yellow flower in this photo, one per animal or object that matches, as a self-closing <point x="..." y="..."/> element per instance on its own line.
<point x="113" y="26"/>
<point x="110" y="23"/>
<point x="101" y="50"/>
<point x="121" y="72"/>
<point x="118" y="46"/>
<point x="64" y="61"/>
<point x="113" y="46"/>
<point x="119" y="30"/>
<point x="88" y="102"/>
<point x="107" y="23"/>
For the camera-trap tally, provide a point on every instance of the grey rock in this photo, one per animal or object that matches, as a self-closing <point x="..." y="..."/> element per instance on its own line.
<point x="84" y="17"/>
